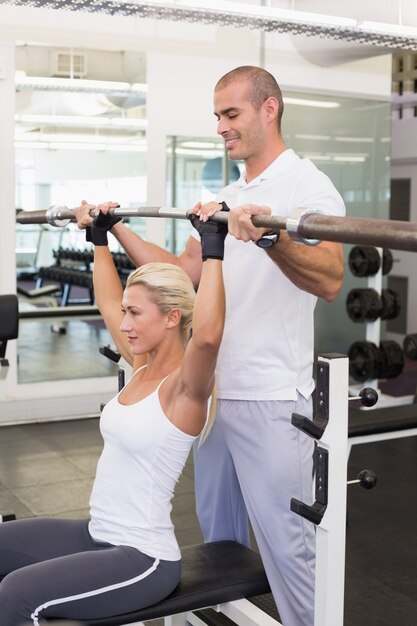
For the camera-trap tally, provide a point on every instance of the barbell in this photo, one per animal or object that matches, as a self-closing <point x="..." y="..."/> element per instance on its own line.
<point x="303" y="225"/>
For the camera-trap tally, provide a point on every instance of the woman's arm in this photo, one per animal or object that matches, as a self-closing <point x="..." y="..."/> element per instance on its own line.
<point x="108" y="289"/>
<point x="141" y="251"/>
<point x="108" y="293"/>
<point x="197" y="370"/>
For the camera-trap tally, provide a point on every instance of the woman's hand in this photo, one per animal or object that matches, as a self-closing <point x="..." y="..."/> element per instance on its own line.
<point x="86" y="212"/>
<point x="82" y="214"/>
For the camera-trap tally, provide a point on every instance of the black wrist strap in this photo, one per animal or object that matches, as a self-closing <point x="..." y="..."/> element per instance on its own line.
<point x="212" y="246"/>
<point x="96" y="236"/>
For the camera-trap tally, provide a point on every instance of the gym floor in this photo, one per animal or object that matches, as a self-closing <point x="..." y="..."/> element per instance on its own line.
<point x="48" y="469"/>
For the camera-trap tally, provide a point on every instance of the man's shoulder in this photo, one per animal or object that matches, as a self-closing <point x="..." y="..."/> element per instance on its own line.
<point x="304" y="163"/>
<point x="304" y="166"/>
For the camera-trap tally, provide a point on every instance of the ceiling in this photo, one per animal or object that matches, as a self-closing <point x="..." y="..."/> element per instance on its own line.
<point x="75" y="112"/>
<point x="57" y="104"/>
<point x="390" y="25"/>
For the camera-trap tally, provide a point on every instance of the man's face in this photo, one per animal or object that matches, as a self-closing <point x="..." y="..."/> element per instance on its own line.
<point x="241" y="126"/>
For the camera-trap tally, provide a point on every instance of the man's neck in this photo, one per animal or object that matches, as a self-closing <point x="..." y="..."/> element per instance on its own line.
<point x="254" y="168"/>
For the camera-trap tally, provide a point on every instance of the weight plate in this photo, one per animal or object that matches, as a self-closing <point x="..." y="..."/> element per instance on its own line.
<point x="364" y="361"/>
<point x="364" y="261"/>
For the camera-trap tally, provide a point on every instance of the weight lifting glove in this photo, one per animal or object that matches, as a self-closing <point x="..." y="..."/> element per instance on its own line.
<point x="97" y="232"/>
<point x="212" y="235"/>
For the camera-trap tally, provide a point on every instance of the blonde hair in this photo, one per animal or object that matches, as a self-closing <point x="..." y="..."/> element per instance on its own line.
<point x="169" y="287"/>
<point x="210" y="418"/>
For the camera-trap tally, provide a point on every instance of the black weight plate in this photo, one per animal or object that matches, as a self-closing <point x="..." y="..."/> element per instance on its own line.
<point x="364" y="261"/>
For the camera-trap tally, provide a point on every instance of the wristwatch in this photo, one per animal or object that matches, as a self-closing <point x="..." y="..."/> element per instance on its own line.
<point x="268" y="239"/>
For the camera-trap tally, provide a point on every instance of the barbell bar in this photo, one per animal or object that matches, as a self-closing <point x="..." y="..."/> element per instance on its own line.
<point x="304" y="225"/>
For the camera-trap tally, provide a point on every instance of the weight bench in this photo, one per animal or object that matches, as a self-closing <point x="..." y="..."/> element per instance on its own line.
<point x="213" y="574"/>
<point x="9" y="327"/>
<point x="38" y="292"/>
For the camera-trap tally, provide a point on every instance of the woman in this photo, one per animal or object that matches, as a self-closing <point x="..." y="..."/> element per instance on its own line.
<point x="126" y="556"/>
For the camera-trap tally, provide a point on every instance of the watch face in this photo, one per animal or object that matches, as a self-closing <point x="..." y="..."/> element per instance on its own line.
<point x="267" y="240"/>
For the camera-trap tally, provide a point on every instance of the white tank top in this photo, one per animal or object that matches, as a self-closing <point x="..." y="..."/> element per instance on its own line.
<point x="142" y="459"/>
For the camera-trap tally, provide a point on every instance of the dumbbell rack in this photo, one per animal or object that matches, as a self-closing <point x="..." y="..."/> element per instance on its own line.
<point x="373" y="329"/>
<point x="373" y="335"/>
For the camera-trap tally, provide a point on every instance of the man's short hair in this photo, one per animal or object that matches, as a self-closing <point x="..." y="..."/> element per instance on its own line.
<point x="261" y="85"/>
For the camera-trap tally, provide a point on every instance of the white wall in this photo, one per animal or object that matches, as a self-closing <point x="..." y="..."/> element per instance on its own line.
<point x="7" y="204"/>
<point x="7" y="211"/>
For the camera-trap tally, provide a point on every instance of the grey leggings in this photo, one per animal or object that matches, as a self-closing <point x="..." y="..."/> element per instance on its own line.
<point x="53" y="568"/>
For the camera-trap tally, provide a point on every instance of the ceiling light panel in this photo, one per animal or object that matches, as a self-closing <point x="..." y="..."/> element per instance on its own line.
<point x="96" y="121"/>
<point x="52" y="83"/>
<point x="240" y="15"/>
<point x="304" y="102"/>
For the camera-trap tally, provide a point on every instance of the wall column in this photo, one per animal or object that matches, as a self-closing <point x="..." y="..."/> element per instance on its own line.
<point x="7" y="169"/>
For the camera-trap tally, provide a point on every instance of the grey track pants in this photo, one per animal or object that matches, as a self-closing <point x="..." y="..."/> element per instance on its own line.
<point x="252" y="463"/>
<point x="53" y="568"/>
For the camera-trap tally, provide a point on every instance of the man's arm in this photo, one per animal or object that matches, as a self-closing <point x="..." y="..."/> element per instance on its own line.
<point x="141" y="252"/>
<point x="319" y="270"/>
<point x="316" y="269"/>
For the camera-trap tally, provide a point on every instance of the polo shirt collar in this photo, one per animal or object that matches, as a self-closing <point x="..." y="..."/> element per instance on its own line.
<point x="278" y="165"/>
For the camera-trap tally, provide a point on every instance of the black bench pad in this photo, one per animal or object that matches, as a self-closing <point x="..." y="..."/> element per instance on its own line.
<point x="212" y="573"/>
<point x="9" y="317"/>
<point x="383" y="420"/>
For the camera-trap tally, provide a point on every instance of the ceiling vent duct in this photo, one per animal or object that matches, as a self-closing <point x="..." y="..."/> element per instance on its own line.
<point x="68" y="65"/>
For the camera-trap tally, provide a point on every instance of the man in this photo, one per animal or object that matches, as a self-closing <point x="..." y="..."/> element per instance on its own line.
<point x="254" y="461"/>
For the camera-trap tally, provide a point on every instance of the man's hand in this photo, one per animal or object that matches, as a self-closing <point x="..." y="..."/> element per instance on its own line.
<point x="241" y="225"/>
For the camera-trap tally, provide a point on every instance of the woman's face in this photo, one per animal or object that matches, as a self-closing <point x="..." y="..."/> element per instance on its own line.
<point x="143" y="322"/>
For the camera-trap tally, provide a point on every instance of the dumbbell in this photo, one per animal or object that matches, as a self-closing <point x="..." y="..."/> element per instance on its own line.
<point x="366" y="261"/>
<point x="369" y="362"/>
<point x="410" y="346"/>
<point x="367" y="305"/>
